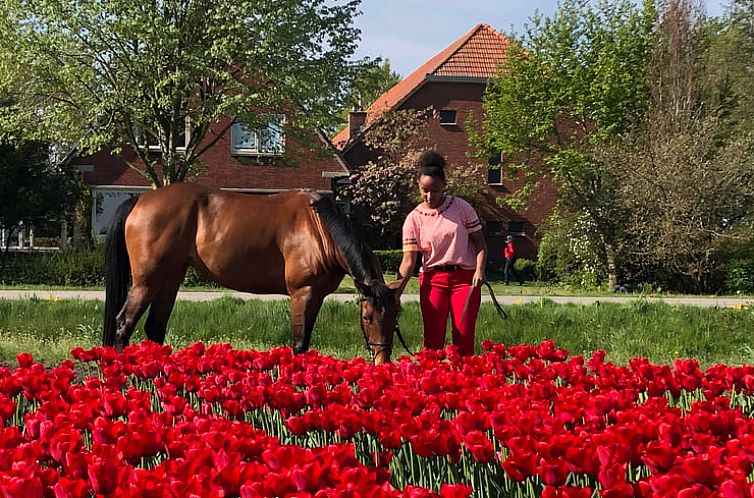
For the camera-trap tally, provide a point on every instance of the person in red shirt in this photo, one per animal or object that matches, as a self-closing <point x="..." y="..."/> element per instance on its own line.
<point x="510" y="259"/>
<point x="448" y="233"/>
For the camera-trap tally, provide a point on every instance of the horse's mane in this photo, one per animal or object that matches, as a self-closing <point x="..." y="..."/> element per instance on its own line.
<point x="362" y="263"/>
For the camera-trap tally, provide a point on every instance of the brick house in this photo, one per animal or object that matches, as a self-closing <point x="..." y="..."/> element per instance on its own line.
<point x="453" y="83"/>
<point x="242" y="160"/>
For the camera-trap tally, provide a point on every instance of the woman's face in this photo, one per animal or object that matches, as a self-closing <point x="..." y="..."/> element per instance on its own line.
<point x="431" y="189"/>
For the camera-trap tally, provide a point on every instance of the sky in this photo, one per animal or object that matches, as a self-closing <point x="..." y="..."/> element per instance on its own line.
<point x="409" y="32"/>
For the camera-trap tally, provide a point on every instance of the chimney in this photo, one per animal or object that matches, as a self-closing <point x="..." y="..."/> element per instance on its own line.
<point x="356" y="122"/>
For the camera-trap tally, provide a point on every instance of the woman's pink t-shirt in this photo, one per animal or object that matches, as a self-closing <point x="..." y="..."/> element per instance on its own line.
<point x="442" y="234"/>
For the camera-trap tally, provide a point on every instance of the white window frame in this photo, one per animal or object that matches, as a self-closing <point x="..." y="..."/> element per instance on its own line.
<point x="156" y="148"/>
<point x="455" y="117"/>
<point x="256" y="150"/>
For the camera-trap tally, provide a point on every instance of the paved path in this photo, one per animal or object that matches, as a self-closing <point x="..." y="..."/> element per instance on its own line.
<point x="210" y="295"/>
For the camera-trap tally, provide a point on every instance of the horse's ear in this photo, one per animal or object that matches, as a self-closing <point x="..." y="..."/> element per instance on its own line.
<point x="363" y="288"/>
<point x="397" y="286"/>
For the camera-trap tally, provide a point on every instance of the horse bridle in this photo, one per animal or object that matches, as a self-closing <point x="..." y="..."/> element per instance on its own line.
<point x="384" y="346"/>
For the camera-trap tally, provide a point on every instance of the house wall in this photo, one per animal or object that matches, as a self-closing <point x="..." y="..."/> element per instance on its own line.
<point x="301" y="167"/>
<point x="453" y="141"/>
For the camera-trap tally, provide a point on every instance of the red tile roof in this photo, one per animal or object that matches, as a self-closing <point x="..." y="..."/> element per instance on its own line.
<point x="476" y="54"/>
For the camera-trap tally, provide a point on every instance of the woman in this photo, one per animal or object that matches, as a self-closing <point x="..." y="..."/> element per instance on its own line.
<point x="448" y="233"/>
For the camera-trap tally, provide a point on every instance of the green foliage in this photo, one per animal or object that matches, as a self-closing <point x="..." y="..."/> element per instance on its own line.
<point x="390" y="259"/>
<point x="32" y="188"/>
<point x="368" y="81"/>
<point x="739" y="276"/>
<point x="526" y="269"/>
<point x="103" y="74"/>
<point x="567" y="256"/>
<point x="571" y="81"/>
<point x="64" y="268"/>
<point x="578" y="74"/>
<point x="195" y="279"/>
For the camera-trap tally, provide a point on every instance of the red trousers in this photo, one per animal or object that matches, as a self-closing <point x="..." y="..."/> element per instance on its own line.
<point x="443" y="291"/>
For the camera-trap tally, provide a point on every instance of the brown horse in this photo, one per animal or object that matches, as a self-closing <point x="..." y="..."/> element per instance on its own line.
<point x="294" y="243"/>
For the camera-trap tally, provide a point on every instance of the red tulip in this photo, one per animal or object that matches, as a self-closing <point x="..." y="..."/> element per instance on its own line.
<point x="24" y="360"/>
<point x="103" y="474"/>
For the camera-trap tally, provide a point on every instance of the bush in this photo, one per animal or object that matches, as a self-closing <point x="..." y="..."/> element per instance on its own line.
<point x="87" y="268"/>
<point x="526" y="269"/>
<point x="739" y="276"/>
<point x="195" y="279"/>
<point x="65" y="268"/>
<point x="390" y="259"/>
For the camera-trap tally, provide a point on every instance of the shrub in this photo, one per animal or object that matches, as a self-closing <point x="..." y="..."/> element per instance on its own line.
<point x="526" y="269"/>
<point x="195" y="279"/>
<point x="80" y="268"/>
<point x="390" y="259"/>
<point x="739" y="276"/>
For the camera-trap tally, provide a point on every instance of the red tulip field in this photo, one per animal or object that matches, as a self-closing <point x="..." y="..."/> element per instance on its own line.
<point x="514" y="421"/>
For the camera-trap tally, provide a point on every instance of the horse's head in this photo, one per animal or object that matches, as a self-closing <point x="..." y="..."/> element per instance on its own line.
<point x="380" y="307"/>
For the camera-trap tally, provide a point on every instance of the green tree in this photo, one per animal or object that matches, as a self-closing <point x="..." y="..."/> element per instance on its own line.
<point x="102" y="74"/>
<point x="685" y="173"/>
<point x="34" y="189"/>
<point x="729" y="63"/>
<point x="367" y="82"/>
<point x="571" y="81"/>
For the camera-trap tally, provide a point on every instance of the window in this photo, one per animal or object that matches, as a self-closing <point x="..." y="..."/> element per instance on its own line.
<point x="494" y="228"/>
<point x="145" y="138"/>
<point x="247" y="142"/>
<point x="447" y="117"/>
<point x="494" y="170"/>
<point x="516" y="227"/>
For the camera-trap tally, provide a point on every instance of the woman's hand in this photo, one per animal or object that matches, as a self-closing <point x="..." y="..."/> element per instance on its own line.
<point x="478" y="279"/>
<point x="477" y="238"/>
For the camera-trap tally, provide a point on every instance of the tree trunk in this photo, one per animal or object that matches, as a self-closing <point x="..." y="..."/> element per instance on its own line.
<point x="82" y="227"/>
<point x="612" y="267"/>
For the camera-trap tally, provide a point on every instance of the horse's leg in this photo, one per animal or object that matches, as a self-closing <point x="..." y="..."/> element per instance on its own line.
<point x="305" y="306"/>
<point x="160" y="310"/>
<point x="138" y="300"/>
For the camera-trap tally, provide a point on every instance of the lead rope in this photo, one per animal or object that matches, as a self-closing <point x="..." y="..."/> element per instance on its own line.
<point x="403" y="341"/>
<point x="500" y="310"/>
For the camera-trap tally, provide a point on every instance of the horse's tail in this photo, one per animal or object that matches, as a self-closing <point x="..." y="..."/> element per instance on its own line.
<point x="117" y="270"/>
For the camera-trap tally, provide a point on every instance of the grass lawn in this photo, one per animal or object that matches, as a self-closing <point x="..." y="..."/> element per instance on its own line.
<point x="657" y="331"/>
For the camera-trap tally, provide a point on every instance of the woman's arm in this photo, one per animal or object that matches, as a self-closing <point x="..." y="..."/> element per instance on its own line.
<point x="480" y="246"/>
<point x="408" y="263"/>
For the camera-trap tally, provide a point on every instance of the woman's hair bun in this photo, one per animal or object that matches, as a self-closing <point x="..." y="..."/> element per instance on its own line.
<point x="432" y="158"/>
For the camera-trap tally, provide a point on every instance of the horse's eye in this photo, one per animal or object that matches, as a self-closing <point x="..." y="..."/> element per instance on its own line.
<point x="367" y="318"/>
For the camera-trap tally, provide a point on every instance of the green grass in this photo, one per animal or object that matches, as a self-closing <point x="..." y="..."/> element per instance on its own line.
<point x="496" y="280"/>
<point x="657" y="331"/>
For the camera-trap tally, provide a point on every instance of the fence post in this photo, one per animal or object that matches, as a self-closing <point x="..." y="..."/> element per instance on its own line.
<point x="63" y="243"/>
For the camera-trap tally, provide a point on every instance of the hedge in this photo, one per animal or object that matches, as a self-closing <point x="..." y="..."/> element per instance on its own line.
<point x="87" y="268"/>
